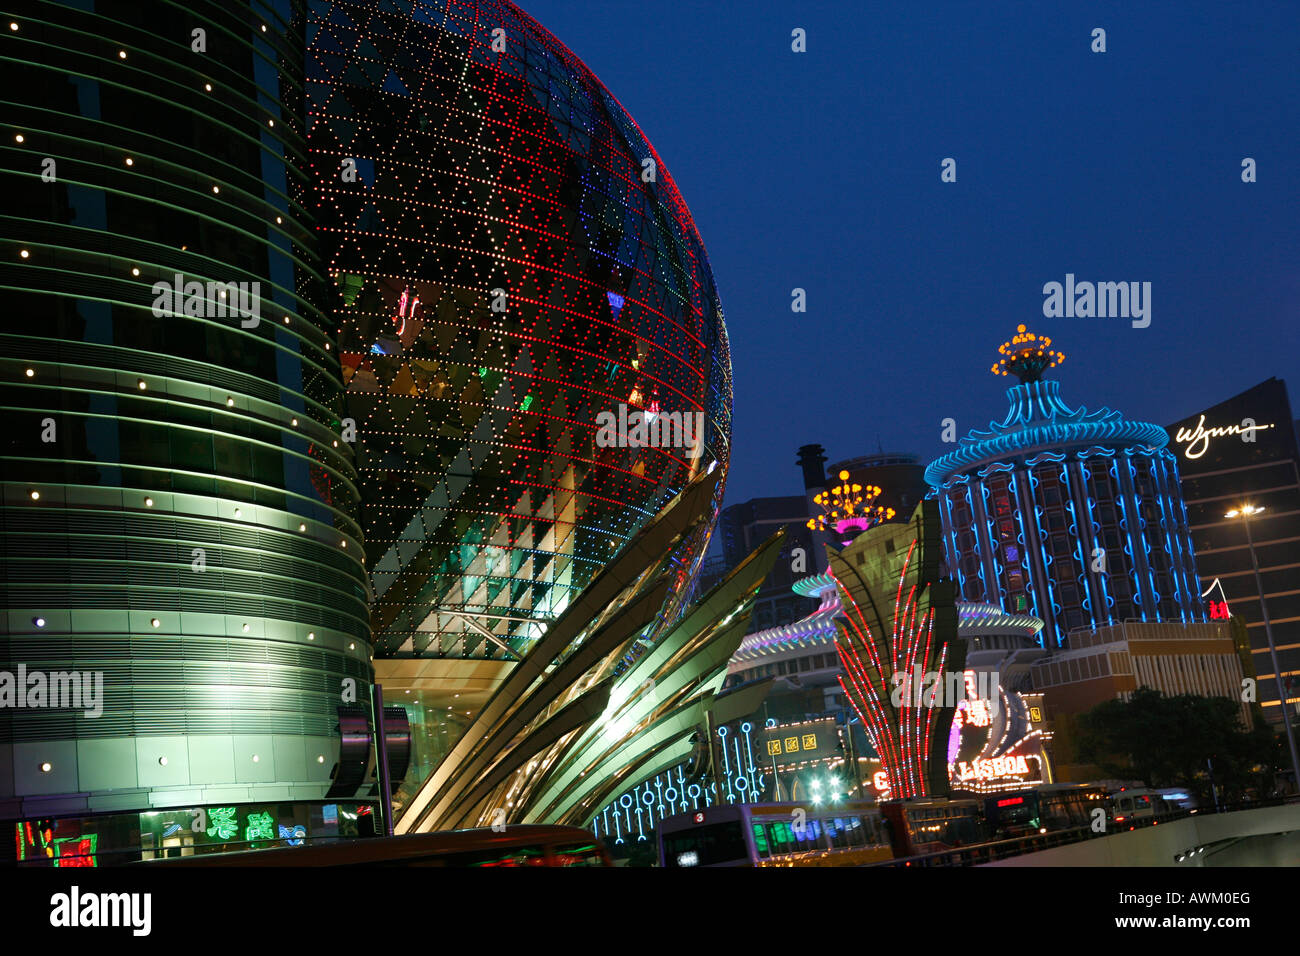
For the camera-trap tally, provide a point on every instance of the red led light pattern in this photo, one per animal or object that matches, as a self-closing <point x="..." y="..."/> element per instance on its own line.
<point x="504" y="275"/>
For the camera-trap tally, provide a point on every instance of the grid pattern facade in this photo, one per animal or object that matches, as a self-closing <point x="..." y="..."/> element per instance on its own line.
<point x="179" y="514"/>
<point x="511" y="260"/>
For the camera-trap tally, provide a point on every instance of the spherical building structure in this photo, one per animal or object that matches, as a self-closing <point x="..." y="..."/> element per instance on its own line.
<point x="514" y="270"/>
<point x="1075" y="517"/>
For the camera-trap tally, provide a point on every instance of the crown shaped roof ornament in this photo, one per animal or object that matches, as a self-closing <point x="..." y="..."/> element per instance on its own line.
<point x="1038" y="421"/>
<point x="1027" y="356"/>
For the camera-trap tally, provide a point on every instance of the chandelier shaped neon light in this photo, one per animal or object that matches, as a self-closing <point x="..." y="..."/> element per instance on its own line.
<point x="848" y="509"/>
<point x="1027" y="356"/>
<point x="874" y="666"/>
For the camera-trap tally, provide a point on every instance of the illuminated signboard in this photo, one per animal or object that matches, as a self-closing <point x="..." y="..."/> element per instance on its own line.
<point x="1197" y="439"/>
<point x="992" y="768"/>
<point x="880" y="781"/>
<point x="125" y="837"/>
<point x="801" y="743"/>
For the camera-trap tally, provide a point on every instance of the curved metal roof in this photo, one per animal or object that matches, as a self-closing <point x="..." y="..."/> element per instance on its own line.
<point x="818" y="629"/>
<point x="1039" y="420"/>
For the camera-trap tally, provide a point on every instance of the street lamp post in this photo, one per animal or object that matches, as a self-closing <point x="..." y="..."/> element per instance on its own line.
<point x="1245" y="511"/>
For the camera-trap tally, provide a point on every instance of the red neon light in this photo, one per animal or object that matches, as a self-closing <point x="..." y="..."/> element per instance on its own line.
<point x="1014" y="801"/>
<point x="901" y="736"/>
<point x="80" y="855"/>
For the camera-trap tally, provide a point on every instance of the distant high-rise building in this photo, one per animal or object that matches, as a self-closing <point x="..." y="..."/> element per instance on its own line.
<point x="745" y="526"/>
<point x="1073" y="516"/>
<point x="1243" y="451"/>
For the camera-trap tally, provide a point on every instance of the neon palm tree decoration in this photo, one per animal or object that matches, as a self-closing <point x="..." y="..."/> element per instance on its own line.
<point x="849" y="509"/>
<point x="900" y="734"/>
<point x="886" y="647"/>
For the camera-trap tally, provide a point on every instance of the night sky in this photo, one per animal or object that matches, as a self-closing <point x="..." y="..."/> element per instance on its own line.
<point x="821" y="170"/>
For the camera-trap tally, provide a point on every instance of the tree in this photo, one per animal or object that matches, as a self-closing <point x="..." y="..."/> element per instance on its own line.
<point x="1179" y="741"/>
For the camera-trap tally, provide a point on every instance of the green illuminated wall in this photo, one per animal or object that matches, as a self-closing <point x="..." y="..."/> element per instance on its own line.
<point x="179" y="507"/>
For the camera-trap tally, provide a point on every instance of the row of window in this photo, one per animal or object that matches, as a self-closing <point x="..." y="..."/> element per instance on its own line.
<point x="835" y="833"/>
<point x="799" y="665"/>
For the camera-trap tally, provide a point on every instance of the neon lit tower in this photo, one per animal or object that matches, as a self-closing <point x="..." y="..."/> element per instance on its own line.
<point x="1074" y="516"/>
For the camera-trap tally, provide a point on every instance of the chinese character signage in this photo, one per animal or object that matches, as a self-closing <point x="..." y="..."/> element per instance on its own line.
<point x="801" y="743"/>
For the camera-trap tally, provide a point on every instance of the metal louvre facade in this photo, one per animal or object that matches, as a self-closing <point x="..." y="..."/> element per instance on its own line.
<point x="511" y="260"/>
<point x="180" y="512"/>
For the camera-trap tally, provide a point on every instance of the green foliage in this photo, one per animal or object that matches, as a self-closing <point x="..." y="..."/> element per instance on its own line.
<point x="1174" y="741"/>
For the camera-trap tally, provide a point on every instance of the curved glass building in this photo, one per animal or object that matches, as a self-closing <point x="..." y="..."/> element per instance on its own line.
<point x="180" y="513"/>
<point x="517" y="285"/>
<point x="1075" y="517"/>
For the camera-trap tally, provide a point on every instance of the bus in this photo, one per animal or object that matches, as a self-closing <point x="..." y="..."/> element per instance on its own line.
<point x="930" y="825"/>
<point x="1070" y="805"/>
<point x="1138" y="804"/>
<point x="529" y="845"/>
<point x="1013" y="814"/>
<point x="774" y="834"/>
<point x="1058" y="806"/>
<point x="1179" y="798"/>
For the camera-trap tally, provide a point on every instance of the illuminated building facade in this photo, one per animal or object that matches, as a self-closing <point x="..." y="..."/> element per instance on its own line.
<point x="513" y="265"/>
<point x="1071" y="515"/>
<point x="180" y="516"/>
<point x="1244" y="451"/>
<point x="1111" y="662"/>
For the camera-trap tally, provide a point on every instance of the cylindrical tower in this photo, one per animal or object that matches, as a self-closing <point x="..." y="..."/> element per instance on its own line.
<point x="179" y="514"/>
<point x="1076" y="517"/>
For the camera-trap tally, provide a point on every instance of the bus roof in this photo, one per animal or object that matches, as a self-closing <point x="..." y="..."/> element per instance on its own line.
<point x="389" y="849"/>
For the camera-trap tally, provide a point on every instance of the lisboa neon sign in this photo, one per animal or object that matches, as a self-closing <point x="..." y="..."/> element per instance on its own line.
<point x="991" y="768"/>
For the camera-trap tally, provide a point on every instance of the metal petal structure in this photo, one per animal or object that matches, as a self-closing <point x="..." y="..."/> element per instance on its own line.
<point x="900" y="624"/>
<point x="608" y="696"/>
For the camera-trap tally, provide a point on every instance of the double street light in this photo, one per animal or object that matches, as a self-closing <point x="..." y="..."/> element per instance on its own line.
<point x="1245" y="512"/>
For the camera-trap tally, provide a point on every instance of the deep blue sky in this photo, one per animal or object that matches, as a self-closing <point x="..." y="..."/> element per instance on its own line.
<point x="821" y="170"/>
